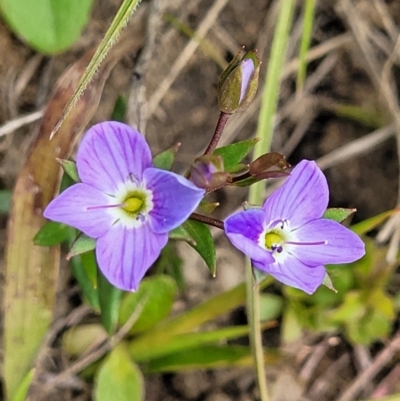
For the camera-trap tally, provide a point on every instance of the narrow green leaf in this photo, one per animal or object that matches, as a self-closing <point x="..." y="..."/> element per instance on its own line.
<point x="121" y="19"/>
<point x="110" y="299"/>
<point x="69" y="167"/>
<point x="233" y="154"/>
<point x="158" y="294"/>
<point x="82" y="244"/>
<point x="190" y="320"/>
<point x="119" y="379"/>
<point x="47" y="26"/>
<point x="206" y="357"/>
<point x="22" y="390"/>
<point x="119" y="111"/>
<point x="338" y="214"/>
<point x="51" y="234"/>
<point x="183" y="342"/>
<point x="84" y="269"/>
<point x="369" y="224"/>
<point x="205" y="247"/>
<point x="308" y="22"/>
<point x="165" y="159"/>
<point x="5" y="201"/>
<point x="170" y="263"/>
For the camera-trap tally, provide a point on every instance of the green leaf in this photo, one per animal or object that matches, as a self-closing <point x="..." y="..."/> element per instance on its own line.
<point x="183" y="342"/>
<point x="233" y="154"/>
<point x="110" y="300"/>
<point x="49" y="26"/>
<point x="5" y="201"/>
<point x="270" y="307"/>
<point x="78" y="340"/>
<point x="170" y="263"/>
<point x="22" y="390"/>
<point x="179" y="233"/>
<point x="82" y="244"/>
<point x="165" y="159"/>
<point x="205" y="247"/>
<point x="119" y="379"/>
<point x="69" y="167"/>
<point x="158" y="294"/>
<point x="119" y="111"/>
<point x="51" y="234"/>
<point x="206" y="357"/>
<point x="338" y="214"/>
<point x="84" y="269"/>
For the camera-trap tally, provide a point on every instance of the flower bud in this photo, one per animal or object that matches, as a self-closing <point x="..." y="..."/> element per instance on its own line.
<point x="208" y="172"/>
<point x="238" y="83"/>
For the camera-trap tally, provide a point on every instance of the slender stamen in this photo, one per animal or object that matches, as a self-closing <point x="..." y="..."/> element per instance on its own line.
<point x="306" y="243"/>
<point x="104" y="206"/>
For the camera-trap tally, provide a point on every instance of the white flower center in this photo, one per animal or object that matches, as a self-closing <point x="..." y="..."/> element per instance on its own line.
<point x="279" y="239"/>
<point x="134" y="201"/>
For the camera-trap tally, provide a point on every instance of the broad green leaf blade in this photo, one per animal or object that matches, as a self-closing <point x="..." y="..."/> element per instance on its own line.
<point x="110" y="300"/>
<point x="206" y="357"/>
<point x="205" y="247"/>
<point x="121" y="19"/>
<point x="338" y="214"/>
<point x="233" y="154"/>
<point x="79" y="339"/>
<point x="82" y="244"/>
<point x="119" y="379"/>
<point x="158" y="294"/>
<point x="49" y="26"/>
<point x="51" y="234"/>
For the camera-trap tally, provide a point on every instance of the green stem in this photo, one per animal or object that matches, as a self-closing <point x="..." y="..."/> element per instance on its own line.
<point x="253" y="318"/>
<point x="265" y="131"/>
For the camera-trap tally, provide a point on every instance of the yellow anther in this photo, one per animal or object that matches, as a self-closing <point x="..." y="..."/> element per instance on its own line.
<point x="133" y="204"/>
<point x="271" y="239"/>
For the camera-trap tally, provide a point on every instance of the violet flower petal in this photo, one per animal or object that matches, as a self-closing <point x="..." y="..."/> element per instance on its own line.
<point x="70" y="207"/>
<point x="247" y="66"/>
<point x="296" y="274"/>
<point x="125" y="255"/>
<point x="110" y="153"/>
<point x="244" y="229"/>
<point x="343" y="246"/>
<point x="303" y="196"/>
<point x="174" y="199"/>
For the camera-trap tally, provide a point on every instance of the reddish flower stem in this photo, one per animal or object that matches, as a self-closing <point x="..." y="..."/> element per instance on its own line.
<point x="211" y="221"/>
<point x="219" y="129"/>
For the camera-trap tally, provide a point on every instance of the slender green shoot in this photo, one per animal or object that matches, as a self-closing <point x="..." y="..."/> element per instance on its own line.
<point x="264" y="132"/>
<point x="121" y="19"/>
<point x="308" y="23"/>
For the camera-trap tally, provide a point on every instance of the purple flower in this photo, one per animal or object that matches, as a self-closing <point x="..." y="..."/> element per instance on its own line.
<point x="124" y="202"/>
<point x="288" y="238"/>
